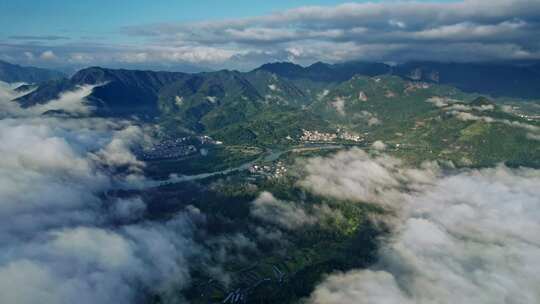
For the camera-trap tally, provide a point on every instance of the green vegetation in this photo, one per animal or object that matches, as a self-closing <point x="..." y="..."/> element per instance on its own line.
<point x="344" y="239"/>
<point x="216" y="158"/>
<point x="271" y="263"/>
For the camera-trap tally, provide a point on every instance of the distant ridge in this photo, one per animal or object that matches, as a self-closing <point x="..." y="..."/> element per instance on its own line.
<point x="16" y="73"/>
<point x="324" y="72"/>
<point x="498" y="79"/>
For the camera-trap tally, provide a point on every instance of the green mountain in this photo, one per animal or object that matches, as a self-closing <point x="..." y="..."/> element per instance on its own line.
<point x="278" y="103"/>
<point x="195" y="99"/>
<point x="422" y="121"/>
<point x="244" y="107"/>
<point x="208" y="100"/>
<point x="127" y="92"/>
<point x="419" y="121"/>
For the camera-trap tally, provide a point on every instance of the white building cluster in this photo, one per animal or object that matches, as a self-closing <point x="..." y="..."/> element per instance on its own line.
<point x="276" y="170"/>
<point x="316" y="136"/>
<point x="177" y="147"/>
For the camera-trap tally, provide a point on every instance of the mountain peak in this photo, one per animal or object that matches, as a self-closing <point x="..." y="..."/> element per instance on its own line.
<point x="282" y="68"/>
<point x="320" y="67"/>
<point x="318" y="64"/>
<point x="91" y="75"/>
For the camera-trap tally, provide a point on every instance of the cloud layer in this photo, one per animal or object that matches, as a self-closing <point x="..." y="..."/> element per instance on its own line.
<point x="62" y="239"/>
<point x="468" y="237"/>
<point x="468" y="30"/>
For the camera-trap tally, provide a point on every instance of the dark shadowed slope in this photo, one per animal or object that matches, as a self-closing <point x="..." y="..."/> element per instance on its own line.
<point x="504" y="79"/>
<point x="128" y="92"/>
<point x="119" y="92"/>
<point x="495" y="79"/>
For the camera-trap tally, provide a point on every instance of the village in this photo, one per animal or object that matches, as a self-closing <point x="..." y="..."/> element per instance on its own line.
<point x="278" y="169"/>
<point x="529" y="117"/>
<point x="316" y="136"/>
<point x="269" y="171"/>
<point x="177" y="147"/>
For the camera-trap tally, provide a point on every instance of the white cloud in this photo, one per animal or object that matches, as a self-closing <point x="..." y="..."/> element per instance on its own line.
<point x="118" y="151"/>
<point x="466" y="116"/>
<point x="387" y="31"/>
<point x="397" y="23"/>
<point x="368" y="117"/>
<point x="70" y="102"/>
<point x="379" y="145"/>
<point x="355" y="175"/>
<point x="128" y="209"/>
<point x="464" y="112"/>
<point x="7" y="93"/>
<point x="286" y="214"/>
<point x="61" y="239"/>
<point x="29" y="55"/>
<point x="360" y="287"/>
<point x="465" y="237"/>
<point x="339" y="104"/>
<point x="291" y="215"/>
<point x="48" y="55"/>
<point x="80" y="57"/>
<point x="533" y="136"/>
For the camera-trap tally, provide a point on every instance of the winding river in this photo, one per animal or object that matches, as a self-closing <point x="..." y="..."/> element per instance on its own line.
<point x="268" y="156"/>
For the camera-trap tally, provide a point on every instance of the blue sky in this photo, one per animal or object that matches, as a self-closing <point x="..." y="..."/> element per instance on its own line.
<point x="245" y="33"/>
<point x="74" y="18"/>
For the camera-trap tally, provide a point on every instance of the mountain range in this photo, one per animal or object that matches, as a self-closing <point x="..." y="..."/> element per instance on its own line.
<point x="422" y="104"/>
<point x="277" y="100"/>
<point x="130" y="91"/>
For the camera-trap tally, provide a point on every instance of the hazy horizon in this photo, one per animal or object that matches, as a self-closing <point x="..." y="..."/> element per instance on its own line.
<point x="183" y="35"/>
